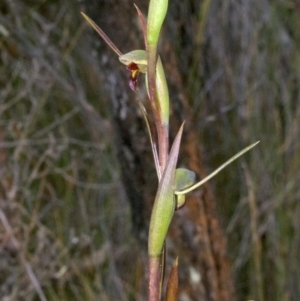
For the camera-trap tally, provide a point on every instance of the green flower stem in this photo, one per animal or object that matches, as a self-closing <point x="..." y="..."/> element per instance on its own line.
<point x="163" y="209"/>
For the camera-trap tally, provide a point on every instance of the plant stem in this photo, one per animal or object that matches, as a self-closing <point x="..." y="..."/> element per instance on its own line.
<point x="154" y="278"/>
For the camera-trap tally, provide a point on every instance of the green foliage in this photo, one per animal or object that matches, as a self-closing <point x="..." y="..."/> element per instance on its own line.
<point x="164" y="204"/>
<point x="169" y="180"/>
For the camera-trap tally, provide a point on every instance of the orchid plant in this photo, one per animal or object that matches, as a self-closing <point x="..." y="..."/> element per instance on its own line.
<point x="174" y="183"/>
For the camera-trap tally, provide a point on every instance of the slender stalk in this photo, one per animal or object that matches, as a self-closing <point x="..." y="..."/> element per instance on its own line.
<point x="154" y="278"/>
<point x="156" y="15"/>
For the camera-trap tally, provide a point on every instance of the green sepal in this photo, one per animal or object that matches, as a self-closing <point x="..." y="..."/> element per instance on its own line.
<point x="138" y="57"/>
<point x="102" y="34"/>
<point x="215" y="172"/>
<point x="184" y="178"/>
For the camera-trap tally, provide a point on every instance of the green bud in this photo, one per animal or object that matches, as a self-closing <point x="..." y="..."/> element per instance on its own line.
<point x="156" y="15"/>
<point x="162" y="93"/>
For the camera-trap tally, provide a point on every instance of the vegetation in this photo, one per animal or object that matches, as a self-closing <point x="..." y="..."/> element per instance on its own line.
<point x="65" y="223"/>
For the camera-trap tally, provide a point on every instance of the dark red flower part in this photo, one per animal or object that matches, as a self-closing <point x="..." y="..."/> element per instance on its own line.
<point x="133" y="80"/>
<point x="133" y="67"/>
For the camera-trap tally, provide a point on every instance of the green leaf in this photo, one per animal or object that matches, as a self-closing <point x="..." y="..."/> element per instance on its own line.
<point x="164" y="204"/>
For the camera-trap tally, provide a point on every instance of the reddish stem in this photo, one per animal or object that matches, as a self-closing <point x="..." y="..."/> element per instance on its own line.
<point x="154" y="279"/>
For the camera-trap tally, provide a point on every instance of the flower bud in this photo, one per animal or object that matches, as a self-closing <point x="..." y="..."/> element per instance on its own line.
<point x="156" y="15"/>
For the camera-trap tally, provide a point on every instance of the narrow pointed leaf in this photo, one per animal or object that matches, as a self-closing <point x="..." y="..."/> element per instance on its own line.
<point x="172" y="285"/>
<point x="164" y="204"/>
<point x="143" y="24"/>
<point x="153" y="146"/>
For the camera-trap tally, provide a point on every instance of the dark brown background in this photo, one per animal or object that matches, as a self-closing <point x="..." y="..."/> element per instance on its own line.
<point x="77" y="177"/>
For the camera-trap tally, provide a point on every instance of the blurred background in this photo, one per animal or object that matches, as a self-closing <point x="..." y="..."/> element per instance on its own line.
<point x="65" y="221"/>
